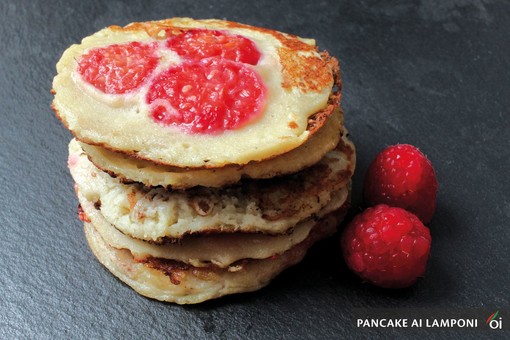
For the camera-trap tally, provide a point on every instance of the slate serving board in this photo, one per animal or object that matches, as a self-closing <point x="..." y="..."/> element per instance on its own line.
<point x="435" y="74"/>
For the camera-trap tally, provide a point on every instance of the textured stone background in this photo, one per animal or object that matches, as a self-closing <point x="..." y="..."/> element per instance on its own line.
<point x="431" y="73"/>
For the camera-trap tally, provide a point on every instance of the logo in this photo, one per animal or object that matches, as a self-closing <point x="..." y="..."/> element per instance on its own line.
<point x="494" y="322"/>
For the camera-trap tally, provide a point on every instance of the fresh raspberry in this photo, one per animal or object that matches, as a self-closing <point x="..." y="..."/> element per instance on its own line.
<point x="208" y="96"/>
<point x="401" y="176"/>
<point x="117" y="69"/>
<point x="198" y="44"/>
<point x="387" y="246"/>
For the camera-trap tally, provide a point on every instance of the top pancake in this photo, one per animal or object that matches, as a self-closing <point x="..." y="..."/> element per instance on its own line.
<point x="299" y="82"/>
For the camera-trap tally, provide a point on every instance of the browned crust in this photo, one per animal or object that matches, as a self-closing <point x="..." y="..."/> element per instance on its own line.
<point x="308" y="73"/>
<point x="318" y="119"/>
<point x="154" y="28"/>
<point x="177" y="271"/>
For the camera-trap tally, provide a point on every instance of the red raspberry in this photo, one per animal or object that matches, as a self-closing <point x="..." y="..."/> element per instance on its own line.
<point x="387" y="246"/>
<point x="401" y="176"/>
<point x="208" y="96"/>
<point x="118" y="69"/>
<point x="196" y="44"/>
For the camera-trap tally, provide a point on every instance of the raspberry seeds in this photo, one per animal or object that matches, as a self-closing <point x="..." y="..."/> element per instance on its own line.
<point x="208" y="96"/>
<point x="118" y="69"/>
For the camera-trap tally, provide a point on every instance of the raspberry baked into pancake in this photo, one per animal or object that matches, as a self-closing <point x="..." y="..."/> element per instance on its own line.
<point x="208" y="155"/>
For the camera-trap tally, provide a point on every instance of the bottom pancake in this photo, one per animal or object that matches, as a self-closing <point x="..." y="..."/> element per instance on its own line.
<point x="172" y="281"/>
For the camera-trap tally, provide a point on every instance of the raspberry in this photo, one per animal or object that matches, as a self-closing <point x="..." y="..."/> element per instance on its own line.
<point x="402" y="176"/>
<point x="117" y="69"/>
<point x="207" y="96"/>
<point x="198" y="44"/>
<point x="387" y="246"/>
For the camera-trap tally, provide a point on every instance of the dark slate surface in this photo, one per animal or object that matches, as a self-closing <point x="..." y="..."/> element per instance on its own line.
<point x="432" y="73"/>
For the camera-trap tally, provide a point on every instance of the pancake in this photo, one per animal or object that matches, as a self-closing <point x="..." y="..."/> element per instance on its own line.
<point x="271" y="206"/>
<point x="296" y="86"/>
<point x="172" y="281"/>
<point x="221" y="250"/>
<point x="130" y="169"/>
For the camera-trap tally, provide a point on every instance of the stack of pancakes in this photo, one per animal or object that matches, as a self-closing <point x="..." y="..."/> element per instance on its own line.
<point x="185" y="217"/>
